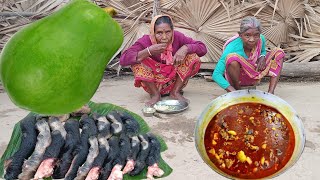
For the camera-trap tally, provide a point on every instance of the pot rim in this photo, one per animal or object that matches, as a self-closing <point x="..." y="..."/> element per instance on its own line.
<point x="256" y="96"/>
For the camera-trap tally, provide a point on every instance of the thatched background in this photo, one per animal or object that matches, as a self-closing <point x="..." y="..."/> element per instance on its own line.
<point x="291" y="24"/>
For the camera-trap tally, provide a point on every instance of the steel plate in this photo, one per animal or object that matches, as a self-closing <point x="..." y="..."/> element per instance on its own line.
<point x="171" y="106"/>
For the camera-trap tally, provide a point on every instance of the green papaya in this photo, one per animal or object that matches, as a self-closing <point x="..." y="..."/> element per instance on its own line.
<point x="55" y="65"/>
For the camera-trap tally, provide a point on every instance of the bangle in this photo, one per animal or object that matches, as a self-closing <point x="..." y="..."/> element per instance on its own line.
<point x="262" y="55"/>
<point x="149" y="51"/>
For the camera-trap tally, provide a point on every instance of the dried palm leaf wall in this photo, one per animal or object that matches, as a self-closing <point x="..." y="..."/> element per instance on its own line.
<point x="15" y="14"/>
<point x="306" y="47"/>
<point x="291" y="24"/>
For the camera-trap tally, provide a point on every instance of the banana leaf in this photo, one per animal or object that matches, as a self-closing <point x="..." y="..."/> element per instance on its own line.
<point x="101" y="108"/>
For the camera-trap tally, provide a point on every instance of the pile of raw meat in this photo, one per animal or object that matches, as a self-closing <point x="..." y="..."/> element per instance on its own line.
<point x="94" y="147"/>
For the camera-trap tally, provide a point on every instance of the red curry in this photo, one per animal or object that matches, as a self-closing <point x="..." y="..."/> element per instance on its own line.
<point x="249" y="140"/>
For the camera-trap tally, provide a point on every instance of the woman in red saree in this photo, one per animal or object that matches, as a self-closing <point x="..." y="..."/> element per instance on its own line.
<point x="244" y="61"/>
<point x="163" y="61"/>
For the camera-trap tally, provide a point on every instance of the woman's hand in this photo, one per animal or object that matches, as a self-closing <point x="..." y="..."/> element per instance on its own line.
<point x="261" y="63"/>
<point x="230" y="89"/>
<point x="156" y="49"/>
<point x="180" y="55"/>
<point x="151" y="51"/>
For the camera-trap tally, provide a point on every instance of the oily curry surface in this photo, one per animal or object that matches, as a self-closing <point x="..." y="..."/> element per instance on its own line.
<point x="249" y="140"/>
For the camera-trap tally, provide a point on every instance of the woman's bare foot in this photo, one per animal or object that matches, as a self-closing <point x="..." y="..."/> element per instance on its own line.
<point x="154" y="99"/>
<point x="272" y="92"/>
<point x="178" y="96"/>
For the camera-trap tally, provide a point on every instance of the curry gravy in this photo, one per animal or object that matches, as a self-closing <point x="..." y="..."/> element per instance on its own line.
<point x="249" y="140"/>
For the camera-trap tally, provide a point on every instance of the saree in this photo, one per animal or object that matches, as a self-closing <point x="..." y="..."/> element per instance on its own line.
<point x="164" y="73"/>
<point x="248" y="73"/>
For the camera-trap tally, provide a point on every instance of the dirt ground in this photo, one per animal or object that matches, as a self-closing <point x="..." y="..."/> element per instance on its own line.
<point x="178" y="129"/>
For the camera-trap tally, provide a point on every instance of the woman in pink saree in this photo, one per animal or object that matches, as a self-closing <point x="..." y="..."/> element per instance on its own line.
<point x="163" y="61"/>
<point x="244" y="61"/>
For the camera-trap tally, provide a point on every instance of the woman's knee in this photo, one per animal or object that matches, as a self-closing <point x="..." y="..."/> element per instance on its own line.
<point x="234" y="65"/>
<point x="279" y="54"/>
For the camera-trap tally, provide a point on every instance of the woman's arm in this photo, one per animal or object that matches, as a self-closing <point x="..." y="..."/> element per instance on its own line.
<point x="142" y="55"/>
<point x="130" y="56"/>
<point x="194" y="46"/>
<point x="140" y="50"/>
<point x="263" y="47"/>
<point x="137" y="52"/>
<point x="261" y="63"/>
<point x="218" y="75"/>
<point x="152" y="50"/>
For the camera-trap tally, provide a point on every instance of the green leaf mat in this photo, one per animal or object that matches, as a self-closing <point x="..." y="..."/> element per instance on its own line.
<point x="101" y="108"/>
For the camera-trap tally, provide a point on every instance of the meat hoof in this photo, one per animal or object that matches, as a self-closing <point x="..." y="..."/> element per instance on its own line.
<point x="45" y="169"/>
<point x="93" y="174"/>
<point x="116" y="173"/>
<point x="154" y="170"/>
<point x="129" y="166"/>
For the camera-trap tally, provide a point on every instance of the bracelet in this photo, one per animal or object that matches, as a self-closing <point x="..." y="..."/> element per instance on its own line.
<point x="149" y="51"/>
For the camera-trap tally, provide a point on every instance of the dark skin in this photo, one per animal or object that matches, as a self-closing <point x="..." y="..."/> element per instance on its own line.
<point x="250" y="39"/>
<point x="163" y="34"/>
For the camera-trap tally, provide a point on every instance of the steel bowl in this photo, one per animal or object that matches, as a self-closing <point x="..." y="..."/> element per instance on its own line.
<point x="253" y="96"/>
<point x="148" y="111"/>
<point x="171" y="106"/>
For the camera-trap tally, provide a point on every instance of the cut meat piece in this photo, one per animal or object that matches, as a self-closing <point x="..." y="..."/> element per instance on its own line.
<point x="28" y="143"/>
<point x="142" y="156"/>
<point x="154" y="154"/>
<point x="58" y="137"/>
<point x="125" y="149"/>
<point x="93" y="153"/>
<point x="88" y="129"/>
<point x="72" y="140"/>
<point x="131" y="125"/>
<point x="104" y="133"/>
<point x="153" y="157"/>
<point x="116" y="123"/>
<point x="103" y="126"/>
<point x="113" y="154"/>
<point x="99" y="160"/>
<point x="120" y="161"/>
<point x="135" y="149"/>
<point x="43" y="141"/>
